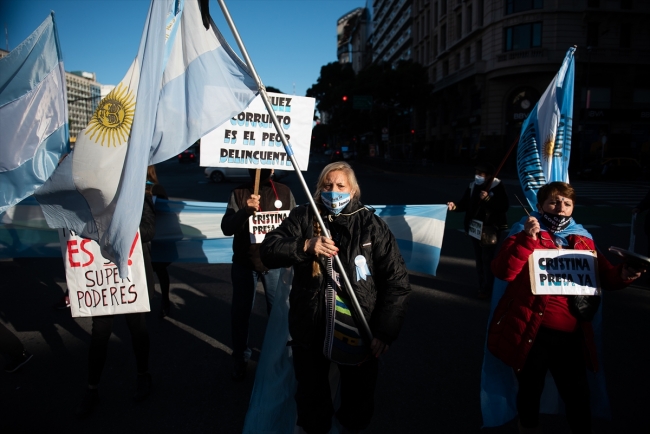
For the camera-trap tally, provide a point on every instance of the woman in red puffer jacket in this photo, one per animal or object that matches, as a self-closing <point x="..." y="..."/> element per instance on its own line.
<point x="538" y="333"/>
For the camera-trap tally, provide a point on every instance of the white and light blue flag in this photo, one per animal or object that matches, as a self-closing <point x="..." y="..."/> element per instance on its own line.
<point x="33" y="114"/>
<point x="545" y="143"/>
<point x="184" y="82"/>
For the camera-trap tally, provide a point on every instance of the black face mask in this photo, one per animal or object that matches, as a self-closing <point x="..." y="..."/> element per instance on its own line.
<point x="555" y="223"/>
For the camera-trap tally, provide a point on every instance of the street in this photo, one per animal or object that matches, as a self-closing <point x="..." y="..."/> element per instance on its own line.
<point x="429" y="380"/>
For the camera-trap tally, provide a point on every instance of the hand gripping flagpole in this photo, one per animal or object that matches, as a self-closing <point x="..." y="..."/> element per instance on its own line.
<point x="287" y="148"/>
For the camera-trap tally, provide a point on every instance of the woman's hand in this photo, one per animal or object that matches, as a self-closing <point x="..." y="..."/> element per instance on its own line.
<point x="483" y="194"/>
<point x="378" y="347"/>
<point x="630" y="273"/>
<point x="321" y="246"/>
<point x="451" y="206"/>
<point x="531" y="227"/>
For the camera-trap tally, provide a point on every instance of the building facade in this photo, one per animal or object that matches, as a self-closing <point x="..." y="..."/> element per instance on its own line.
<point x="491" y="60"/>
<point x="391" y="36"/>
<point x="84" y="95"/>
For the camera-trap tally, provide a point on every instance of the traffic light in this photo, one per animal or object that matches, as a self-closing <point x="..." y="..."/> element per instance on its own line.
<point x="345" y="98"/>
<point x="412" y="131"/>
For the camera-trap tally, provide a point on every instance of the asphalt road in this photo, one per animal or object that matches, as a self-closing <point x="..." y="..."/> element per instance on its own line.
<point x="429" y="380"/>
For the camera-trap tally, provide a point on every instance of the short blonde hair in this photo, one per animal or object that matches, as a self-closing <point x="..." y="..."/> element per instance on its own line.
<point x="349" y="173"/>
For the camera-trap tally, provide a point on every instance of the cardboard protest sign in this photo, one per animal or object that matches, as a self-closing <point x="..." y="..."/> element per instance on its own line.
<point x="249" y="140"/>
<point x="94" y="284"/>
<point x="261" y="223"/>
<point x="564" y="272"/>
<point x="475" y="229"/>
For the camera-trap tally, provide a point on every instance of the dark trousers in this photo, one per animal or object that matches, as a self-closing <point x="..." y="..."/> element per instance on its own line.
<point x="484" y="256"/>
<point x="244" y="286"/>
<point x="160" y="268"/>
<point x="10" y="345"/>
<point x="101" y="333"/>
<point x="314" y="398"/>
<point x="562" y="354"/>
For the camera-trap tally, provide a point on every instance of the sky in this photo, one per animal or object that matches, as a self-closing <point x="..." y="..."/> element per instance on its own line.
<point x="287" y="40"/>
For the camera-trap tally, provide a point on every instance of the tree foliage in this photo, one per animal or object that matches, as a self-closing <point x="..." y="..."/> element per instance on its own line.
<point x="395" y="93"/>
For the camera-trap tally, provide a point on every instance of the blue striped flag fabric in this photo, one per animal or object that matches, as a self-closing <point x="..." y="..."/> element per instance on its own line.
<point x="184" y="82"/>
<point x="545" y="142"/>
<point x="191" y="232"/>
<point x="33" y="114"/>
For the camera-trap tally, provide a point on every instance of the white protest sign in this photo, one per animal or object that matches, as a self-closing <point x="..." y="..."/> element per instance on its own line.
<point x="94" y="284"/>
<point x="564" y="272"/>
<point x="249" y="139"/>
<point x="261" y="223"/>
<point x="475" y="229"/>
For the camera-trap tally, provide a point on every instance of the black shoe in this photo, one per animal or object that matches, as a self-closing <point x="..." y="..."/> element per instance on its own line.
<point x="62" y="304"/>
<point x="164" y="313"/>
<point x="18" y="363"/>
<point x="143" y="387"/>
<point x="239" y="370"/>
<point x="88" y="403"/>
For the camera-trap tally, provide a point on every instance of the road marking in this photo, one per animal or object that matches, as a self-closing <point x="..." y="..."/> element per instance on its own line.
<point x="205" y="338"/>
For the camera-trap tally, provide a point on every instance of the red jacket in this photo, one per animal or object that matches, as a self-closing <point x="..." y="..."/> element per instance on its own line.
<point x="518" y="315"/>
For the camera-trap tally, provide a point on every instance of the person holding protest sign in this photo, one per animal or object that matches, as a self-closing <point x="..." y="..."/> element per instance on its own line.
<point x="322" y="323"/>
<point x="249" y="216"/>
<point x="485" y="204"/>
<point x="102" y="327"/>
<point x="533" y="333"/>
<point x="160" y="268"/>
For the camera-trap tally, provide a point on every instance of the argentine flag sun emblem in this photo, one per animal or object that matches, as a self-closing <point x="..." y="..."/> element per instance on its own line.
<point x="113" y="118"/>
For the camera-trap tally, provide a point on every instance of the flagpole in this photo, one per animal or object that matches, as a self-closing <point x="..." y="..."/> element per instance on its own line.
<point x="265" y="98"/>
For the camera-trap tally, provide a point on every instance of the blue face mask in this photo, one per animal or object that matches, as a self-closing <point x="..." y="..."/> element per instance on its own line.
<point x="478" y="180"/>
<point x="335" y="201"/>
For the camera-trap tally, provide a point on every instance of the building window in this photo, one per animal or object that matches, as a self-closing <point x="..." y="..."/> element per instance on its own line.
<point x="468" y="15"/>
<point x="459" y="26"/>
<point x="593" y="3"/>
<point x="514" y="6"/>
<point x="443" y="8"/>
<point x="593" y="30"/>
<point x="435" y="14"/>
<point x="523" y="37"/>
<point x="467" y="54"/>
<point x="445" y="68"/>
<point x="626" y="4"/>
<point x="434" y="76"/>
<point x="479" y="50"/>
<point x="435" y="46"/>
<point x="599" y="98"/>
<point x="457" y="61"/>
<point x="443" y="37"/>
<point x="480" y="13"/>
<point x="626" y="35"/>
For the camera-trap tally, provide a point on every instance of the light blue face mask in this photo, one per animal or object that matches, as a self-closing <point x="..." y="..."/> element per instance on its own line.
<point x="335" y="201"/>
<point x="478" y="180"/>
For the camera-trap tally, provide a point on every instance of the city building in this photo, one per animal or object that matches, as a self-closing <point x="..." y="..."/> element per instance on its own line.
<point x="491" y="60"/>
<point x="353" y="32"/>
<point x="84" y="94"/>
<point x="391" y="34"/>
<point x="3" y="53"/>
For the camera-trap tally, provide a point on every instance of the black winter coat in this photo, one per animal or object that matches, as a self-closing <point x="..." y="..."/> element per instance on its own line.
<point x="383" y="295"/>
<point x="491" y="210"/>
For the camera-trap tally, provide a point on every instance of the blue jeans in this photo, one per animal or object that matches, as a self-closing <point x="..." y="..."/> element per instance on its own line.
<point x="244" y="282"/>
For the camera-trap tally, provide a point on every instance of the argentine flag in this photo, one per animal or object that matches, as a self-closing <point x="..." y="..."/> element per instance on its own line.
<point x="33" y="114"/>
<point x="545" y="142"/>
<point x="184" y="82"/>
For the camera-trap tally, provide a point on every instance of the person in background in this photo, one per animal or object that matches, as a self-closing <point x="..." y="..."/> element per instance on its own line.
<point x="485" y="200"/>
<point x="13" y="350"/>
<point x="534" y="334"/>
<point x="103" y="325"/>
<point x="247" y="268"/>
<point x="160" y="268"/>
<point x="322" y="323"/>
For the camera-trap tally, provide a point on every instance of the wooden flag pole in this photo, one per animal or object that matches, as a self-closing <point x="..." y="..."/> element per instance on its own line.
<point x="256" y="188"/>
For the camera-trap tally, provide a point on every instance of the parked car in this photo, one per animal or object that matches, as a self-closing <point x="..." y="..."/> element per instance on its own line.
<point x="221" y="174"/>
<point x="187" y="156"/>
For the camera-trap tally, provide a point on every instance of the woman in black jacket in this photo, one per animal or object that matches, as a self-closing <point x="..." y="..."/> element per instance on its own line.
<point x="322" y="323"/>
